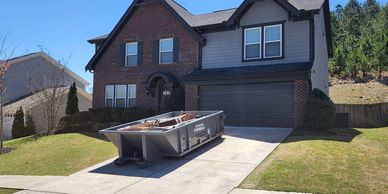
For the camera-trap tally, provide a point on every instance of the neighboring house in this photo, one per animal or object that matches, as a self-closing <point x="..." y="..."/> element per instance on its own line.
<point x="31" y="73"/>
<point x="32" y="105"/>
<point x="258" y="62"/>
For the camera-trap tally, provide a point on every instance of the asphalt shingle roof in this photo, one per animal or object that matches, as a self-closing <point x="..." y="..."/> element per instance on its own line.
<point x="218" y="17"/>
<point x="246" y="71"/>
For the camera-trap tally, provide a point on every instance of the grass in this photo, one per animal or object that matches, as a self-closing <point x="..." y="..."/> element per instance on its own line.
<point x="369" y="93"/>
<point x="56" y="155"/>
<point x="8" y="191"/>
<point x="345" y="161"/>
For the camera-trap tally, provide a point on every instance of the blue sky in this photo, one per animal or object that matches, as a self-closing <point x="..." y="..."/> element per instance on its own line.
<point x="61" y="27"/>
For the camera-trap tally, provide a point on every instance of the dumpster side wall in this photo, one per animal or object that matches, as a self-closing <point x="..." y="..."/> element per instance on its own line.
<point x="149" y="23"/>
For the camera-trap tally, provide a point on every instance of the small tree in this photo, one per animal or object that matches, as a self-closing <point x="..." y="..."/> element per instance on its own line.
<point x="72" y="101"/>
<point x="50" y="94"/>
<point x="5" y="55"/>
<point x="18" y="124"/>
<point x="30" y="126"/>
<point x="319" y="111"/>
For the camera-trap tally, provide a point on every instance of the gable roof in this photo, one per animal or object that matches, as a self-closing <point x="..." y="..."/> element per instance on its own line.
<point x="228" y="16"/>
<point x="173" y="7"/>
<point x="49" y="59"/>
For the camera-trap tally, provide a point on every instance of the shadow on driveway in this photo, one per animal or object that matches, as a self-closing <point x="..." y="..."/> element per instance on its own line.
<point x="165" y="165"/>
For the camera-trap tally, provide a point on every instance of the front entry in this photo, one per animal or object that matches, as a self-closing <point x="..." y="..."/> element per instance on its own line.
<point x="162" y="96"/>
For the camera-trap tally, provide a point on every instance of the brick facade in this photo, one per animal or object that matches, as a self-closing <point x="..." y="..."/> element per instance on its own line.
<point x="191" y="100"/>
<point x="301" y="92"/>
<point x="149" y="22"/>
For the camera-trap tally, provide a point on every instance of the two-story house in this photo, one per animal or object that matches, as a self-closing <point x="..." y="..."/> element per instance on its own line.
<point x="258" y="62"/>
<point x="29" y="75"/>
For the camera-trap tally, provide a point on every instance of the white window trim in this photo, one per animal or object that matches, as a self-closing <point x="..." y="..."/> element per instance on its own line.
<point x="280" y="41"/>
<point x="160" y="50"/>
<point x="131" y="54"/>
<point x="106" y="98"/>
<point x="128" y="94"/>
<point x="125" y="97"/>
<point x="253" y="43"/>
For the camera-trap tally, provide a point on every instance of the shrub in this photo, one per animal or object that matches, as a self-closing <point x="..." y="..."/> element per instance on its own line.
<point x="18" y="128"/>
<point x="30" y="126"/>
<point x="72" y="100"/>
<point x="65" y="123"/>
<point x="81" y="120"/>
<point x="101" y="115"/>
<point x="319" y="111"/>
<point x="119" y="115"/>
<point x="133" y="114"/>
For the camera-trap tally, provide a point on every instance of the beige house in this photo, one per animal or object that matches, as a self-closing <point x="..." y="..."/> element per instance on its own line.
<point x="33" y="105"/>
<point x="30" y="74"/>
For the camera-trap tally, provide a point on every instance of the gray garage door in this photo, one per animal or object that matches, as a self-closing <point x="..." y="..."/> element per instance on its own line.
<point x="260" y="105"/>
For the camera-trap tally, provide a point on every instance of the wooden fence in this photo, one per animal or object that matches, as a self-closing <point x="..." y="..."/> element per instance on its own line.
<point x="365" y="115"/>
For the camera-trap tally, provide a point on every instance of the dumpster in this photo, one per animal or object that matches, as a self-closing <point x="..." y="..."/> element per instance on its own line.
<point x="172" y="134"/>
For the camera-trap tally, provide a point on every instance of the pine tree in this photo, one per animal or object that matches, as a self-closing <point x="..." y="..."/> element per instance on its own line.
<point x="72" y="101"/>
<point x="18" y="124"/>
<point x="30" y="126"/>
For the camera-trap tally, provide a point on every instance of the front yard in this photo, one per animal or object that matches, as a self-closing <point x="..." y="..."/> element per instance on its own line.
<point x="344" y="161"/>
<point x="55" y="155"/>
<point x="8" y="191"/>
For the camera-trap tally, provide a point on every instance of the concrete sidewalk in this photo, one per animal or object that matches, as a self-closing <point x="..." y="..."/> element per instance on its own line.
<point x="218" y="167"/>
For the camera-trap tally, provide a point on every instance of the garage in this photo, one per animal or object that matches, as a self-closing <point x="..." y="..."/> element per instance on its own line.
<point x="256" y="105"/>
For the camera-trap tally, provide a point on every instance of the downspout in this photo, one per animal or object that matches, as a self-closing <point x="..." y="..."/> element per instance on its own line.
<point x="312" y="47"/>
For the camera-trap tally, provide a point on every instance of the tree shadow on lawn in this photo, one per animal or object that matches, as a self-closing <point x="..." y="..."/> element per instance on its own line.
<point x="336" y="134"/>
<point x="95" y="135"/>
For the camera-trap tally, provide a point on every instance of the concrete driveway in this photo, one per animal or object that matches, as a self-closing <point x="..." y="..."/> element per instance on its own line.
<point x="218" y="167"/>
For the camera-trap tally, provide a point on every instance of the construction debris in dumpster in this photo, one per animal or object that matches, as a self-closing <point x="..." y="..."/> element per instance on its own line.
<point x="160" y="123"/>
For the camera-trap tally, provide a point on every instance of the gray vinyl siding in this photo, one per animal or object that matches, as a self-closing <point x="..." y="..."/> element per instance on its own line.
<point x="319" y="71"/>
<point x="22" y="78"/>
<point x="224" y="49"/>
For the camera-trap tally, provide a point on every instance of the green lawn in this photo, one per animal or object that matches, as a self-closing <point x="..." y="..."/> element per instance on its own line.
<point x="347" y="161"/>
<point x="55" y="155"/>
<point x="8" y="191"/>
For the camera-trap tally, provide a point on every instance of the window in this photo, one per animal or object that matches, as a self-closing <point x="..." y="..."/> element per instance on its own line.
<point x="131" y="54"/>
<point x="131" y="95"/>
<point x="252" y="43"/>
<point x="273" y="41"/>
<point x="166" y="51"/>
<point x="109" y="95"/>
<point x="120" y="96"/>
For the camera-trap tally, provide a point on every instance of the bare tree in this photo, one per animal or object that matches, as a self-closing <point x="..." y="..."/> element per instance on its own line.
<point x="5" y="54"/>
<point x="49" y="90"/>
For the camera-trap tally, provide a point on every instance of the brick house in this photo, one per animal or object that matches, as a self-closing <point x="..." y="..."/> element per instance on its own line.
<point x="257" y="62"/>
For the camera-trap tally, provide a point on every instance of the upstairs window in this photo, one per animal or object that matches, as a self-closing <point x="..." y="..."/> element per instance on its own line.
<point x="120" y="96"/>
<point x="109" y="95"/>
<point x="273" y="41"/>
<point x="131" y="54"/>
<point x="252" y="43"/>
<point x="166" y="51"/>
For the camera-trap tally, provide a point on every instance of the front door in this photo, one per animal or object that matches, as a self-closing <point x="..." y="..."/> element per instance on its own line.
<point x="161" y="95"/>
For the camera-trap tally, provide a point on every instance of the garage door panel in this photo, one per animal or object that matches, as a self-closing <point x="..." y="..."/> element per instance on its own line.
<point x="266" y="105"/>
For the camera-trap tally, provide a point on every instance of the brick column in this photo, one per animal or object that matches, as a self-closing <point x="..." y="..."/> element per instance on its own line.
<point x="301" y="92"/>
<point x="191" y="97"/>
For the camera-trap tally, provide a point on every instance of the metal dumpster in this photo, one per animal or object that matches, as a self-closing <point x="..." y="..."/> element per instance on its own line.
<point x="147" y="146"/>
